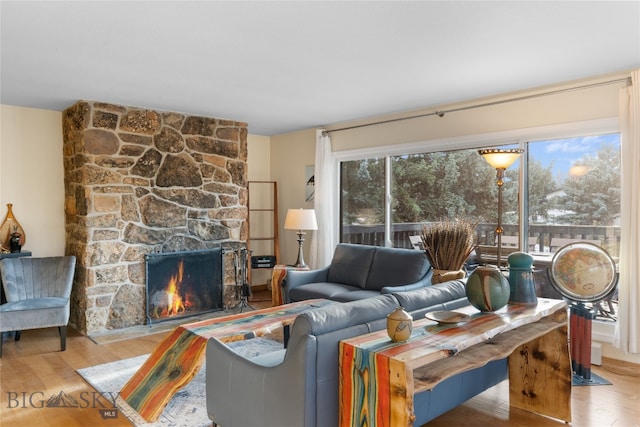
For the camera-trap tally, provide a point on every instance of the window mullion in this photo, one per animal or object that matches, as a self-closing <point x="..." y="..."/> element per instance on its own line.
<point x="387" y="202"/>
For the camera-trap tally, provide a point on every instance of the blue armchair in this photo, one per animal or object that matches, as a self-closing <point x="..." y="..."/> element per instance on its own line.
<point x="38" y="294"/>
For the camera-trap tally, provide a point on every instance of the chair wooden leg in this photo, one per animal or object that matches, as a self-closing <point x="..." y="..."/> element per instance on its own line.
<point x="63" y="337"/>
<point x="18" y="335"/>
<point x="1" y="333"/>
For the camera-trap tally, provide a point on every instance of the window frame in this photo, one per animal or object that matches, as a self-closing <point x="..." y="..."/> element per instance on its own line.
<point x="519" y="137"/>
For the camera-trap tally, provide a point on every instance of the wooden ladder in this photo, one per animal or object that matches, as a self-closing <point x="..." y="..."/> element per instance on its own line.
<point x="262" y="203"/>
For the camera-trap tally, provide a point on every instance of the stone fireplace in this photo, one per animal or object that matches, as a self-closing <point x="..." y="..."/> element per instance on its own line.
<point x="141" y="182"/>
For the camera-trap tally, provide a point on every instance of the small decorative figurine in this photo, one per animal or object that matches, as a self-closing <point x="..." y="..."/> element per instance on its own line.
<point x="399" y="325"/>
<point x="15" y="241"/>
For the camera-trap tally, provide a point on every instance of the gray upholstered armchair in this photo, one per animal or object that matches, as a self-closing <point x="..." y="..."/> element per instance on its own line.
<point x="37" y="292"/>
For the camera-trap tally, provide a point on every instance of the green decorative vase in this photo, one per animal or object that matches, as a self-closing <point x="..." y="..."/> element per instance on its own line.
<point x="487" y="288"/>
<point x="523" y="288"/>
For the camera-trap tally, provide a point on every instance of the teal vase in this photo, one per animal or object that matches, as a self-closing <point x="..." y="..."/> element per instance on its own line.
<point x="523" y="289"/>
<point x="487" y="288"/>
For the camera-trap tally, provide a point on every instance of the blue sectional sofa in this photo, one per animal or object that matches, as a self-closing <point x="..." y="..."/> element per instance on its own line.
<point x="299" y="386"/>
<point x="360" y="271"/>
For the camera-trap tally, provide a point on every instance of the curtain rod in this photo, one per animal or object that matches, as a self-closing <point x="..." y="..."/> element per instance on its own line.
<point x="441" y="113"/>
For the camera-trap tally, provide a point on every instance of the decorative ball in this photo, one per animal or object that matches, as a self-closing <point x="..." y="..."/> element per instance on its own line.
<point x="487" y="288"/>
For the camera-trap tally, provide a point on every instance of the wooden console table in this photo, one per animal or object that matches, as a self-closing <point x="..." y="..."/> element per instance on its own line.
<point x="379" y="377"/>
<point x="177" y="359"/>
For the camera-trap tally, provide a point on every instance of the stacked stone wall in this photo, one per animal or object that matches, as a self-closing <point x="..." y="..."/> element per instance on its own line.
<point x="139" y="181"/>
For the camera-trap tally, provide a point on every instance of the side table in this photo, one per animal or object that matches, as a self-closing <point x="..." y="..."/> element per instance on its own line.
<point x="277" y="278"/>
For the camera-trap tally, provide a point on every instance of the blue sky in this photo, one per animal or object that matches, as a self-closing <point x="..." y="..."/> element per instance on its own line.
<point x="565" y="152"/>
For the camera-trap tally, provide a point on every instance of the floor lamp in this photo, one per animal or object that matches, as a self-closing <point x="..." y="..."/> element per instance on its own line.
<point x="300" y="220"/>
<point x="500" y="159"/>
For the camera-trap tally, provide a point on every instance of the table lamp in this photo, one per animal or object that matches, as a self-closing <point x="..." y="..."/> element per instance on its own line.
<point x="500" y="159"/>
<point x="300" y="220"/>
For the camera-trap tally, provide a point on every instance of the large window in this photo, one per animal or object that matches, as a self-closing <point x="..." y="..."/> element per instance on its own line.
<point x="570" y="191"/>
<point x="423" y="188"/>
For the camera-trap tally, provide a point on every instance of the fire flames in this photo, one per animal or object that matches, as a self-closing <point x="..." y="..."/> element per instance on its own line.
<point x="175" y="304"/>
<point x="175" y="296"/>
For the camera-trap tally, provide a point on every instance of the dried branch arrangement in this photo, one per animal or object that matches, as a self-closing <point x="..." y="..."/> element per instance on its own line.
<point x="448" y="244"/>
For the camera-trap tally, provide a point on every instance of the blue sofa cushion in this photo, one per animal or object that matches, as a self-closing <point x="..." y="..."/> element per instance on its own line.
<point x="397" y="267"/>
<point x="320" y="290"/>
<point x="431" y="295"/>
<point x="354" y="295"/>
<point x="335" y="317"/>
<point x="350" y="264"/>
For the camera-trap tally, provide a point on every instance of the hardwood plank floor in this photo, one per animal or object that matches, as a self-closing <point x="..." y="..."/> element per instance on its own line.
<point x="33" y="369"/>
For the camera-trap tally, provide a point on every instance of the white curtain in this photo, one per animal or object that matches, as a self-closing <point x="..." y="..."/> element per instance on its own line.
<point x="323" y="241"/>
<point x="627" y="336"/>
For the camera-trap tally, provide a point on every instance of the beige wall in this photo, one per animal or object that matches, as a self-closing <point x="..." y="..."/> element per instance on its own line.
<point x="259" y="153"/>
<point x="290" y="153"/>
<point x="574" y="106"/>
<point x="32" y="176"/>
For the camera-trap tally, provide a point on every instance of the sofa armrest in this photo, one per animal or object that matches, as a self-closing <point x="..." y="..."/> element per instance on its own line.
<point x="422" y="283"/>
<point x="301" y="277"/>
<point x="244" y="392"/>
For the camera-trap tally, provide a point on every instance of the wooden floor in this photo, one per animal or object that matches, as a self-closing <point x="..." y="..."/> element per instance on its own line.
<point x="33" y="369"/>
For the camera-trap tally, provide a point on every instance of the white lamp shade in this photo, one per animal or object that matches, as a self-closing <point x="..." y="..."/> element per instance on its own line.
<point x="301" y="219"/>
<point x="499" y="158"/>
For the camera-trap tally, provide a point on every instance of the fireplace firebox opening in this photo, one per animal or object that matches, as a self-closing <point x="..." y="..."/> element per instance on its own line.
<point x="182" y="284"/>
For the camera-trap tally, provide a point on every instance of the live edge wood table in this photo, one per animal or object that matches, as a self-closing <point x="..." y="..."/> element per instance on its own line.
<point x="178" y="357"/>
<point x="378" y="378"/>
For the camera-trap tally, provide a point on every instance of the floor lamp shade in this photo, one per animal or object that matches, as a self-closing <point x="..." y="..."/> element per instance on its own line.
<point x="500" y="159"/>
<point x="300" y="220"/>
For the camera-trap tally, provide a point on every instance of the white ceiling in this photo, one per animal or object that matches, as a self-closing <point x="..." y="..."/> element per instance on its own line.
<point x="285" y="66"/>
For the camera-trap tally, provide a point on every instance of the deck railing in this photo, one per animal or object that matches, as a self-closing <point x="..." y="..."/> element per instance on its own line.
<point x="609" y="236"/>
